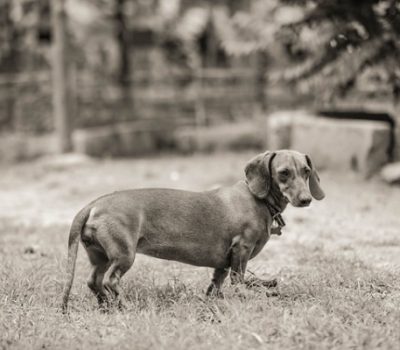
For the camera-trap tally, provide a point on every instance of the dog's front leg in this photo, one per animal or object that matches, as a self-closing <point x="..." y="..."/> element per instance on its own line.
<point x="214" y="289"/>
<point x="240" y="254"/>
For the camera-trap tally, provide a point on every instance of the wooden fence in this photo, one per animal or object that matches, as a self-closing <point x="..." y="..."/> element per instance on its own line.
<point x="213" y="96"/>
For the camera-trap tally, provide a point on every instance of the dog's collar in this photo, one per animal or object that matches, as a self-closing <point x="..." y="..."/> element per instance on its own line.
<point x="276" y="214"/>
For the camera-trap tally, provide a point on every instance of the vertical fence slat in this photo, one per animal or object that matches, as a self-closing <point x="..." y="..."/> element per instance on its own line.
<point x="60" y="77"/>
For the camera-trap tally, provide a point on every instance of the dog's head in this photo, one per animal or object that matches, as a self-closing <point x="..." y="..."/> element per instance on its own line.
<point x="290" y="172"/>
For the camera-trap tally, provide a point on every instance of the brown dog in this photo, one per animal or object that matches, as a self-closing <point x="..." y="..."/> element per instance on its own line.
<point x="222" y="228"/>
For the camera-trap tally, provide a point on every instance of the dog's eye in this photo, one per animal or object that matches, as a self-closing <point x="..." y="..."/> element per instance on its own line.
<point x="284" y="173"/>
<point x="307" y="171"/>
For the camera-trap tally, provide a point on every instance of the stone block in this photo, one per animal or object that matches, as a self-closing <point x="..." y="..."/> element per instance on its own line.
<point x="279" y="128"/>
<point x="21" y="147"/>
<point x="390" y="173"/>
<point x="126" y="139"/>
<point x="64" y="161"/>
<point x="234" y="136"/>
<point x="356" y="145"/>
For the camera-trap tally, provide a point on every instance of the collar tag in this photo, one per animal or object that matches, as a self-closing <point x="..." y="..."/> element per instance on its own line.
<point x="278" y="224"/>
<point x="279" y="220"/>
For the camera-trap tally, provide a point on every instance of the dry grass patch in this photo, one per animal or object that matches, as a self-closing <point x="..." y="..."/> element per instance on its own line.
<point x="337" y="265"/>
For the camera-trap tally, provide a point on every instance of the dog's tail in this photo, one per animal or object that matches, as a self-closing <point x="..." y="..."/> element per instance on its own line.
<point x="73" y="243"/>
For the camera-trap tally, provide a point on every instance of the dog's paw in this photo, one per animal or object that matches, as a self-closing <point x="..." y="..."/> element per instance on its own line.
<point x="214" y="293"/>
<point x="272" y="294"/>
<point x="255" y="282"/>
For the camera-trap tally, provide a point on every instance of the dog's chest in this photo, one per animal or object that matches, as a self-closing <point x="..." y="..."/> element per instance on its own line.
<point x="262" y="240"/>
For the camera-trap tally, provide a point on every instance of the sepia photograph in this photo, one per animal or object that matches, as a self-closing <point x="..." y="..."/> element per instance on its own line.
<point x="199" y="174"/>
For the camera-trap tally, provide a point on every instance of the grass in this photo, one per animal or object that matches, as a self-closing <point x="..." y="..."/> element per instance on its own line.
<point x="338" y="266"/>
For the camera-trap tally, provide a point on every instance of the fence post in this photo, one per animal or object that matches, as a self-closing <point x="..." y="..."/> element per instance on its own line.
<point x="60" y="79"/>
<point x="261" y="100"/>
<point x="200" y="113"/>
<point x="198" y="90"/>
<point x="395" y="111"/>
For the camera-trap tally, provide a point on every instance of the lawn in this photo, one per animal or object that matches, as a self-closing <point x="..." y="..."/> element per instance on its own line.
<point x="337" y="263"/>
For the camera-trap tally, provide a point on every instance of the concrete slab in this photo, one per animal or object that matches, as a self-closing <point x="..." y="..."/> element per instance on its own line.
<point x="125" y="139"/>
<point x="21" y="147"/>
<point x="356" y="145"/>
<point x="390" y="173"/>
<point x="280" y="128"/>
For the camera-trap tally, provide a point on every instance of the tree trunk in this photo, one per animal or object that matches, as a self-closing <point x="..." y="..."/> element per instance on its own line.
<point x="395" y="114"/>
<point x="124" y="67"/>
<point x="60" y="77"/>
<point x="123" y="43"/>
<point x="10" y="67"/>
<point x="261" y="83"/>
<point x="261" y="116"/>
<point x="122" y="39"/>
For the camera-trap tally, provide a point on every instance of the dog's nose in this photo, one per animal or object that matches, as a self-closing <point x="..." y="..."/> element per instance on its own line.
<point x="304" y="202"/>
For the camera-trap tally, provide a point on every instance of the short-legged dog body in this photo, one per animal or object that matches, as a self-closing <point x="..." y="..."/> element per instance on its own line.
<point x="222" y="228"/>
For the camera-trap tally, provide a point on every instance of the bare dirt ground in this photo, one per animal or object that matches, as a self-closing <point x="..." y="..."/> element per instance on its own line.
<point x="337" y="262"/>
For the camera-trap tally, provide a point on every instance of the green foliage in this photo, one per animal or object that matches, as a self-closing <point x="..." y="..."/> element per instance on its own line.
<point x="22" y="23"/>
<point x="329" y="45"/>
<point x="328" y="48"/>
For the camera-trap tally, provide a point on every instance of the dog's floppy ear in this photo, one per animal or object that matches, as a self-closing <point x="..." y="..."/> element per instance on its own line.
<point x="258" y="174"/>
<point x="313" y="182"/>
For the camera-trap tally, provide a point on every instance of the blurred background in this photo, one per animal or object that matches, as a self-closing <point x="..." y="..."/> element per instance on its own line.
<point x="136" y="77"/>
<point x="104" y="95"/>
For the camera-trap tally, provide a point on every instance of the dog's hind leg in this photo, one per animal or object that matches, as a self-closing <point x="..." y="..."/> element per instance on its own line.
<point x="111" y="282"/>
<point x="95" y="283"/>
<point x="120" y="248"/>
<point x="100" y="264"/>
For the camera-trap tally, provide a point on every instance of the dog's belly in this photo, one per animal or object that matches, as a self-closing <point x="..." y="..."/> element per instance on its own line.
<point x="193" y="253"/>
